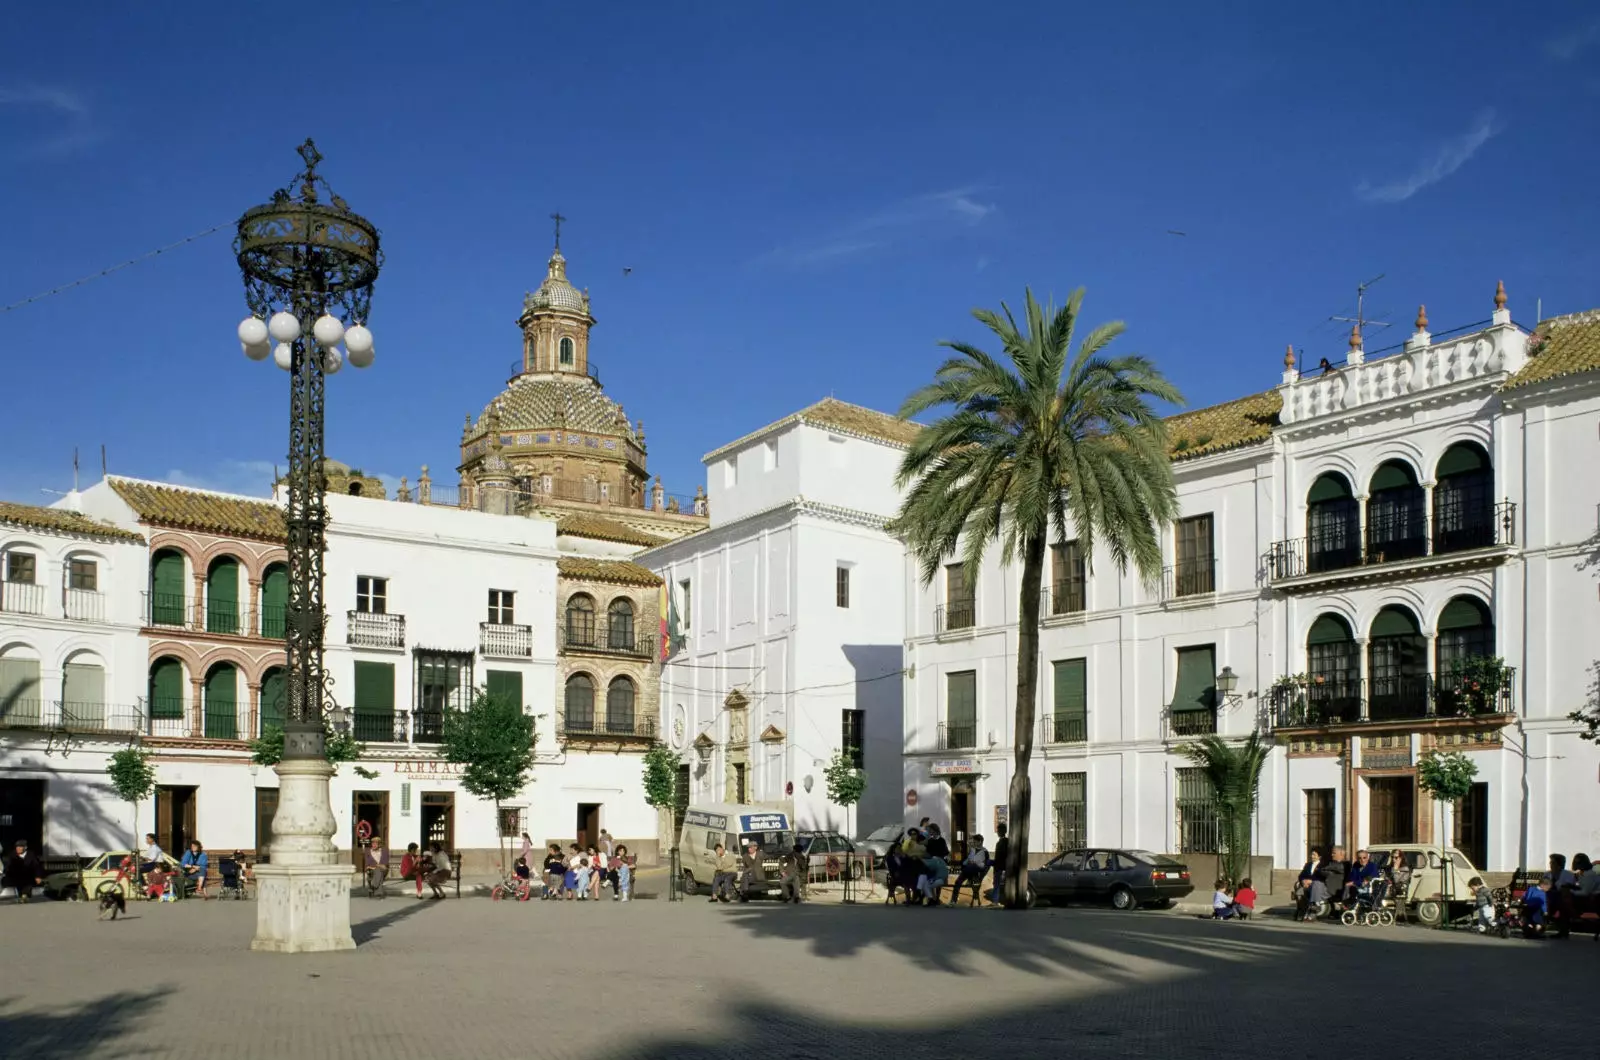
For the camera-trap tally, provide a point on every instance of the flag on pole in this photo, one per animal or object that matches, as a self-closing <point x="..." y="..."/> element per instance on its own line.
<point x="661" y="612"/>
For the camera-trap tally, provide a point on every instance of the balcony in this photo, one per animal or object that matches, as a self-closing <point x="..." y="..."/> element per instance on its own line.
<point x="375" y="630"/>
<point x="503" y="640"/>
<point x="273" y="621"/>
<point x="1322" y="702"/>
<point x="1478" y="536"/>
<point x="174" y="611"/>
<point x="1065" y="728"/>
<point x="601" y="638"/>
<point x="1189" y="579"/>
<point x="84" y="605"/>
<point x="80" y="718"/>
<point x="427" y="726"/>
<point x="587" y="726"/>
<point x="950" y="619"/>
<point x="1185" y="723"/>
<point x="958" y="737"/>
<point x="378" y="726"/>
<point x="1063" y="599"/>
<point x="22" y="598"/>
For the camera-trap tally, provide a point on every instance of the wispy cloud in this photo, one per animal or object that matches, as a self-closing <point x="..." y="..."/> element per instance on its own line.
<point x="1568" y="45"/>
<point x="64" y="117"/>
<point x="252" y="478"/>
<point x="983" y="262"/>
<point x="917" y="217"/>
<point x="1445" y="160"/>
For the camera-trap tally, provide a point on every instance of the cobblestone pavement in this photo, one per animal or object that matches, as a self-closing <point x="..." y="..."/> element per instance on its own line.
<point x="653" y="979"/>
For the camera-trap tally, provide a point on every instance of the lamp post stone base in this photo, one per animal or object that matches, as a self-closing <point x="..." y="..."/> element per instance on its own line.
<point x="303" y="895"/>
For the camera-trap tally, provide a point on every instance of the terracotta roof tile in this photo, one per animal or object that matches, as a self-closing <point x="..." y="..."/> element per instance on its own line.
<point x="534" y="403"/>
<point x="34" y="517"/>
<point x="605" y="570"/>
<point x="831" y="413"/>
<point x="599" y="528"/>
<point x="1216" y="428"/>
<point x="215" y="513"/>
<point x="1571" y="344"/>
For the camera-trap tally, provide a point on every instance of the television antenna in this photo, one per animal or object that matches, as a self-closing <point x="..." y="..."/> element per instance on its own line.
<point x="1360" y="319"/>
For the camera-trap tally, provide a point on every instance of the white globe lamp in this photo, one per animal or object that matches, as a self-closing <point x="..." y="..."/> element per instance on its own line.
<point x="283" y="356"/>
<point x="284" y="327"/>
<point x="257" y="353"/>
<point x="327" y="331"/>
<point x="331" y="362"/>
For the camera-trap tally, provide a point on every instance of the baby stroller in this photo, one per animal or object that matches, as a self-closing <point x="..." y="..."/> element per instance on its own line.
<point x="1372" y="905"/>
<point x="232" y="879"/>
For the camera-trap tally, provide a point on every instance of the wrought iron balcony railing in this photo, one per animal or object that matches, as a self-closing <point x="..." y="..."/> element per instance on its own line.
<point x="1189" y="579"/>
<point x="615" y="638"/>
<point x="369" y="630"/>
<point x="22" y="598"/>
<point x="1065" y="728"/>
<point x="379" y="726"/>
<point x="1322" y="700"/>
<point x="1192" y="722"/>
<point x="957" y="736"/>
<point x="504" y="640"/>
<point x="608" y="725"/>
<point x="427" y="726"/>
<point x="86" y="718"/>
<point x="1393" y="538"/>
<point x="948" y="618"/>
<point x="1063" y="598"/>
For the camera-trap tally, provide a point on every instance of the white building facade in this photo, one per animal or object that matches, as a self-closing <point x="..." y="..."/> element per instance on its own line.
<point x="790" y="621"/>
<point x="1388" y="556"/>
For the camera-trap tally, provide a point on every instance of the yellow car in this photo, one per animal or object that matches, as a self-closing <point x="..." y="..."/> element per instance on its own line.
<point x="100" y="876"/>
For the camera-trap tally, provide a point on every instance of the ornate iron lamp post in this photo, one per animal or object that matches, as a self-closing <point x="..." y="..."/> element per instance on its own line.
<point x="308" y="260"/>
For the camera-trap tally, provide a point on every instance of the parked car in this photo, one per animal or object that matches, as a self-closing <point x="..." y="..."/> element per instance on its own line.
<point x="1125" y="878"/>
<point x="99" y="874"/>
<point x="1431" y="878"/>
<point x="817" y="845"/>
<point x="881" y="841"/>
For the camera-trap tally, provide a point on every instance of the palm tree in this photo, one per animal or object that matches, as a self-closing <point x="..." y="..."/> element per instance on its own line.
<point x="1052" y="445"/>
<point x="1234" y="770"/>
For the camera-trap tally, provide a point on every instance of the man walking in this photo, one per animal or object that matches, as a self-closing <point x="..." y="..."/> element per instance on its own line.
<point x="1002" y="847"/>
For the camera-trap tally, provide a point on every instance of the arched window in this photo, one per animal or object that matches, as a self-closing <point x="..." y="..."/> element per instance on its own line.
<point x="619" y="618"/>
<point x="580" y="704"/>
<point x="354" y="489"/>
<point x="1397" y="662"/>
<point x="566" y="351"/>
<point x="580" y="620"/>
<point x="222" y="702"/>
<point x="21" y="697"/>
<point x="1463" y="499"/>
<point x="1333" y="671"/>
<point x="274" y="601"/>
<point x="274" y="699"/>
<point x="1467" y="675"/>
<point x="1396" y="522"/>
<point x="222" y="595"/>
<point x="167" y="595"/>
<point x="619" y="706"/>
<point x="83" y="692"/>
<point x="1333" y="524"/>
<point x="165" y="700"/>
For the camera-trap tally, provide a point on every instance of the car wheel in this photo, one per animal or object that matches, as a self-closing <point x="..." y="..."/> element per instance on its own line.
<point x="1430" y="913"/>
<point x="1031" y="899"/>
<point x="690" y="888"/>
<point x="1122" y="898"/>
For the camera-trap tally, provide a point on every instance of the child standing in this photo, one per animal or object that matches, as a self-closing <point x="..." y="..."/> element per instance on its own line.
<point x="1482" y="905"/>
<point x="624" y="871"/>
<point x="1221" y="903"/>
<point x="1244" y="900"/>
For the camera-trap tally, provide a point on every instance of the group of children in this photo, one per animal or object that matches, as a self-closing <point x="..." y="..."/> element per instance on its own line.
<point x="581" y="873"/>
<point x="1238" y="905"/>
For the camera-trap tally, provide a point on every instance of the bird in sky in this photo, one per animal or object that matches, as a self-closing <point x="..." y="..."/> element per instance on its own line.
<point x="627" y="269"/>
<point x="1175" y="232"/>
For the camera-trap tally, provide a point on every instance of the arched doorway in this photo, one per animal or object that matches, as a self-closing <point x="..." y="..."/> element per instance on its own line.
<point x="167" y="596"/>
<point x="1333" y="670"/>
<point x="1397" y="665"/>
<point x="1469" y="676"/>
<point x="166" y="698"/>
<point x="222" y="595"/>
<point x="274" y="601"/>
<point x="579" y="713"/>
<point x="1463" y="499"/>
<point x="222" y="702"/>
<point x="1396" y="521"/>
<point x="1333" y="524"/>
<point x="619" y="706"/>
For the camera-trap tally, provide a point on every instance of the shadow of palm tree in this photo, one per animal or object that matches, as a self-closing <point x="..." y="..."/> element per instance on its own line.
<point x="99" y="1027"/>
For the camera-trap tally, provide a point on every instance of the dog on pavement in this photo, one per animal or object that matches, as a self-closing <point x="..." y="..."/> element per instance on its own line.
<point x="113" y="905"/>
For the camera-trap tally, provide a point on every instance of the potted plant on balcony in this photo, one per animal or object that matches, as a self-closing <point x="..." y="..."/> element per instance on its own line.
<point x="1289" y="697"/>
<point x="1476" y="685"/>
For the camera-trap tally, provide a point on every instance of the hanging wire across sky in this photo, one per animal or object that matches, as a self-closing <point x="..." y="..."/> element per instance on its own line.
<point x="114" y="268"/>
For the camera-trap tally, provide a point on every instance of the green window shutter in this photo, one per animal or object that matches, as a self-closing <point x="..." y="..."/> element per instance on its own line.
<point x="274" y="690"/>
<point x="274" y="602"/>
<point x="504" y="683"/>
<point x="1196" y="687"/>
<point x="1071" y="688"/>
<point x="374" y="688"/>
<point x="1329" y="487"/>
<point x="1461" y="613"/>
<point x="1329" y="629"/>
<point x="1461" y="459"/>
<point x="83" y="685"/>
<point x="166" y="589"/>
<point x="222" y="705"/>
<point x="961" y="699"/>
<point x="166" y="689"/>
<point x="1394" y="622"/>
<point x="19" y="690"/>
<point x="222" y="597"/>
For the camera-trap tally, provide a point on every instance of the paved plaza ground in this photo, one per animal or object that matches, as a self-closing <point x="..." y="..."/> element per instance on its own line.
<point x="654" y="979"/>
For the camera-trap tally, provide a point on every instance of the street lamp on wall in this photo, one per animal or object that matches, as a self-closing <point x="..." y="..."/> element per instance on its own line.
<point x="1227" y="683"/>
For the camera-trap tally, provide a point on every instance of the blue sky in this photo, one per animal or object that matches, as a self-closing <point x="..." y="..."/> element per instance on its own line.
<point x="809" y="198"/>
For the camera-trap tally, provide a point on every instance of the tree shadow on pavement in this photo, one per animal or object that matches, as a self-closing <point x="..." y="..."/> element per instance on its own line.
<point x="1154" y="987"/>
<point x="369" y="928"/>
<point x="76" y="1032"/>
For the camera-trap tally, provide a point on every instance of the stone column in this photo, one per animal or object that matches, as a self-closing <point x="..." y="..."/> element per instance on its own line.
<point x="252" y="621"/>
<point x="1362" y="672"/>
<point x="1427" y="513"/>
<point x="197" y="721"/>
<point x="196" y="618"/>
<point x="303" y="896"/>
<point x="253" y="718"/>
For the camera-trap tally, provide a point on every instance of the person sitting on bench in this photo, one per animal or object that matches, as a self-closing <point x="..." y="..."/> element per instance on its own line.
<point x="973" y="870"/>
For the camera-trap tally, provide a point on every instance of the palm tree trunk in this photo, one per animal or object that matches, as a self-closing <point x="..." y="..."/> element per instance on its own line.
<point x="1015" y="895"/>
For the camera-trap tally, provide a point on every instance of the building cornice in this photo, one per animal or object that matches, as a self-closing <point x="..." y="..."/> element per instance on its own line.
<point x="793" y="507"/>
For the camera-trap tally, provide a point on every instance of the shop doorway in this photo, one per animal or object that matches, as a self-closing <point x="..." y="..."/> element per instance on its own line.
<point x="588" y="823"/>
<point x="1471" y="832"/>
<point x="266" y="810"/>
<point x="439" y="819"/>
<point x="1392" y="816"/>
<point x="960" y="823"/>
<point x="175" y="818"/>
<point x="22" y="814"/>
<point x="373" y="808"/>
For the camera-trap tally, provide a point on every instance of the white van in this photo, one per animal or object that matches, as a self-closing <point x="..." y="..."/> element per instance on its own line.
<point x="735" y="827"/>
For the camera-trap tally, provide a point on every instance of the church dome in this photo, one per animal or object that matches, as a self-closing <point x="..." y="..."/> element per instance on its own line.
<point x="555" y="292"/>
<point x="542" y="403"/>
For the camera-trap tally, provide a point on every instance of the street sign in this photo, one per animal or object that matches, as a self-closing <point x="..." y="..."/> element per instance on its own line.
<point x="364" y="831"/>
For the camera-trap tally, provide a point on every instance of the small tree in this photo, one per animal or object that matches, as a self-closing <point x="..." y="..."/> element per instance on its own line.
<point x="846" y="784"/>
<point x="660" y="776"/>
<point x="337" y="747"/>
<point x="1447" y="776"/>
<point x="134" y="778"/>
<point x="493" y="739"/>
<point x="1234" y="770"/>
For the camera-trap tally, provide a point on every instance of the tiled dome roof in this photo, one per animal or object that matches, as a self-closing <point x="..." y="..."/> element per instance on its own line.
<point x="555" y="292"/>
<point x="542" y="402"/>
